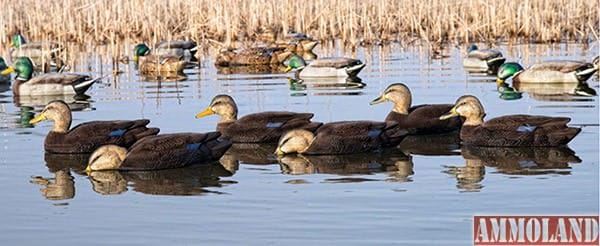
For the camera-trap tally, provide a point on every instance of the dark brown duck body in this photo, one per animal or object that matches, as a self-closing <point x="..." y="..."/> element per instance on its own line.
<point x="424" y="119"/>
<point x="88" y="136"/>
<point x="520" y="130"/>
<point x="266" y="127"/>
<point x="174" y="151"/>
<point x="343" y="137"/>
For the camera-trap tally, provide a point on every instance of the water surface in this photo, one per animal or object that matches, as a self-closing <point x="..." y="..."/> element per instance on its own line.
<point x="417" y="196"/>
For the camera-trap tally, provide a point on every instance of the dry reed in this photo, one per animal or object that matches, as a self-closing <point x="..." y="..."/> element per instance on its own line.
<point x="354" y="22"/>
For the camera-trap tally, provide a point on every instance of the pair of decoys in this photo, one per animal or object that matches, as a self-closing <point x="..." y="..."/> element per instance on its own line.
<point x="572" y="74"/>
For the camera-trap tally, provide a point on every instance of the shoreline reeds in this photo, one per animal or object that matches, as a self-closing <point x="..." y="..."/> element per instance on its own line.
<point x="354" y="22"/>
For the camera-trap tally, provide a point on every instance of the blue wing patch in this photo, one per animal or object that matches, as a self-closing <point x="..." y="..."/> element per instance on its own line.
<point x="274" y="124"/>
<point x="193" y="146"/>
<point x="117" y="133"/>
<point x="526" y="128"/>
<point x="374" y="133"/>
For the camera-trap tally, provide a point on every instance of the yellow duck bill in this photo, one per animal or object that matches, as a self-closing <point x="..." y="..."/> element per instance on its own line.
<point x="204" y="113"/>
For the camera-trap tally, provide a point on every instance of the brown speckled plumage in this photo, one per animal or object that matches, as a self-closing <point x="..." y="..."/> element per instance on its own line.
<point x="510" y="130"/>
<point x="252" y="56"/>
<point x="424" y="119"/>
<point x="174" y="150"/>
<point x="265" y="127"/>
<point x="348" y="137"/>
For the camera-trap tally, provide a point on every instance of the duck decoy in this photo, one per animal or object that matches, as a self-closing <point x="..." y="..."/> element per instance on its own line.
<point x="292" y="41"/>
<point x="87" y="136"/>
<point x="260" y="127"/>
<point x="48" y="83"/>
<point x="483" y="59"/>
<point x="419" y="119"/>
<point x="44" y="55"/>
<point x="343" y="137"/>
<point x="160" y="152"/>
<point x="509" y="130"/>
<point x="183" y="49"/>
<point x="325" y="67"/>
<point x="546" y="72"/>
<point x="252" y="56"/>
<point x="153" y="64"/>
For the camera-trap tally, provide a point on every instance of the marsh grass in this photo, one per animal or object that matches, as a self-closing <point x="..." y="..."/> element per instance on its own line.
<point x="354" y="22"/>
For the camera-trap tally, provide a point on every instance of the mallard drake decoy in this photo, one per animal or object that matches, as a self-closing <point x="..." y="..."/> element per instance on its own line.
<point x="4" y="78"/>
<point x="343" y="137"/>
<point x="547" y="72"/>
<point x="252" y="56"/>
<point x="483" y="59"/>
<point x="160" y="152"/>
<point x="153" y="64"/>
<point x="183" y="49"/>
<point x="43" y="54"/>
<point x="87" y="136"/>
<point x="419" y="119"/>
<point x="509" y="130"/>
<point x="260" y="127"/>
<point x="325" y="67"/>
<point x="48" y="83"/>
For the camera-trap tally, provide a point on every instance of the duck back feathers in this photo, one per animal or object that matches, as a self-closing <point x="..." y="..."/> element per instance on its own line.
<point x="520" y="130"/>
<point x="175" y="150"/>
<point x="424" y="119"/>
<point x="266" y="126"/>
<point x="88" y="136"/>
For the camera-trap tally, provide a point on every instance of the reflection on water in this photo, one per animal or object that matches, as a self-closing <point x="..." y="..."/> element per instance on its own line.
<point x="365" y="189"/>
<point x="524" y="161"/>
<point x="393" y="161"/>
<point x="187" y="181"/>
<point x="511" y="161"/>
<point x="548" y="91"/>
<point x="333" y="86"/>
<point x="59" y="187"/>
<point x="254" y="69"/>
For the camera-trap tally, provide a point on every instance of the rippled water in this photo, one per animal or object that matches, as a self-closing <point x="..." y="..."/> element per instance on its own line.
<point x="251" y="198"/>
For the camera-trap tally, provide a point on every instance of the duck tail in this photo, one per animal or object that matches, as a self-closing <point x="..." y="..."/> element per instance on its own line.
<point x="585" y="74"/>
<point x="354" y="70"/>
<point x="495" y="62"/>
<point x="82" y="86"/>
<point x="147" y="132"/>
<point x="216" y="146"/>
<point x="562" y="137"/>
<point x="312" y="126"/>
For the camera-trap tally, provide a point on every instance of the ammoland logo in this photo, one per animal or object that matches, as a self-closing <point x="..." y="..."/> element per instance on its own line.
<point x="535" y="230"/>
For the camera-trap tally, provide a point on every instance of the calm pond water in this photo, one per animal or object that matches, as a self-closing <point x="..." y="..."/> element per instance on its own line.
<point x="427" y="197"/>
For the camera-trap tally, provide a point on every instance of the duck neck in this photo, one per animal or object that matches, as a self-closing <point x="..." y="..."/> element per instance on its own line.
<point x="401" y="106"/>
<point x="228" y="118"/>
<point x="473" y="121"/>
<point x="62" y="123"/>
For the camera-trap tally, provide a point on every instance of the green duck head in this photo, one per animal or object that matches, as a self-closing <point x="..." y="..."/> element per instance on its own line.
<point x="507" y="70"/>
<point x="472" y="47"/>
<point x="22" y="66"/>
<point x="17" y="40"/>
<point x="140" y="50"/>
<point x="295" y="62"/>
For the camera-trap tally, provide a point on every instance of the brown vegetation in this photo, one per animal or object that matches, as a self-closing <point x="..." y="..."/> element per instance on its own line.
<point x="354" y="22"/>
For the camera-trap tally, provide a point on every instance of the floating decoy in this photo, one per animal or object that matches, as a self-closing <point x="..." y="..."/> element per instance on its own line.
<point x="153" y="64"/>
<point x="160" y="152"/>
<point x="183" y="49"/>
<point x="292" y="41"/>
<point x="252" y="56"/>
<point x="260" y="127"/>
<point x="325" y="67"/>
<point x="419" y="119"/>
<point x="87" y="136"/>
<point x="48" y="83"/>
<point x="343" y="137"/>
<point x="483" y="59"/>
<point x="547" y="72"/>
<point x="509" y="130"/>
<point x="44" y="55"/>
